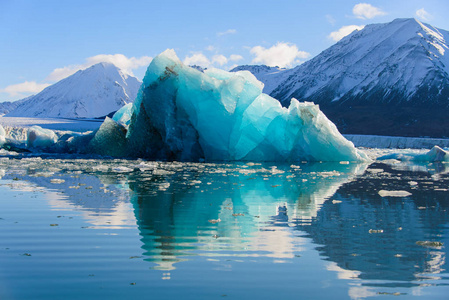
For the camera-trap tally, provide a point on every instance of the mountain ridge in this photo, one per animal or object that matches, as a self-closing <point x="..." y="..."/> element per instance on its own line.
<point x="89" y="93"/>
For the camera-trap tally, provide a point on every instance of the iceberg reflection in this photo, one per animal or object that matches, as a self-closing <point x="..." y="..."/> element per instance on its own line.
<point x="233" y="210"/>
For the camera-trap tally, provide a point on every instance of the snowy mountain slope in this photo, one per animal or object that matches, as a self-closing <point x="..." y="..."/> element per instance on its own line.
<point x="403" y="58"/>
<point x="271" y="77"/>
<point x="396" y="73"/>
<point x="90" y="93"/>
<point x="6" y="107"/>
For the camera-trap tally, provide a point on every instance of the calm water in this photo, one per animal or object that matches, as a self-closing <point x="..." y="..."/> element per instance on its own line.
<point x="117" y="229"/>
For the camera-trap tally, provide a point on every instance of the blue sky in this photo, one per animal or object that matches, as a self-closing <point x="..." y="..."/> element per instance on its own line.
<point x="45" y="41"/>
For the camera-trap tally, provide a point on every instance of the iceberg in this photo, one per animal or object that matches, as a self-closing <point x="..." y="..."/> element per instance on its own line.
<point x="109" y="140"/>
<point x="38" y="137"/>
<point x="181" y="113"/>
<point x="2" y="136"/>
<point x="436" y="154"/>
<point x="123" y="115"/>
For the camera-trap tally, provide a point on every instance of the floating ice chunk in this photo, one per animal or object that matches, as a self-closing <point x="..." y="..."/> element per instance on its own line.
<point x="2" y="135"/>
<point x="38" y="137"/>
<point x="122" y="169"/>
<point x="123" y="115"/>
<point x="183" y="114"/>
<point x="110" y="139"/>
<point x="435" y="154"/>
<point x="57" y="180"/>
<point x="75" y="142"/>
<point x="384" y="193"/>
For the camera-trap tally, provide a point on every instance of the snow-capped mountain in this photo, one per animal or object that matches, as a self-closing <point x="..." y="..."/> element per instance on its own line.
<point x="94" y="92"/>
<point x="399" y="62"/>
<point x="6" y="107"/>
<point x="271" y="77"/>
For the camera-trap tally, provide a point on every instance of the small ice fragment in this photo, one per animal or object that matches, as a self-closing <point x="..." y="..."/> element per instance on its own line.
<point x="164" y="186"/>
<point x="57" y="181"/>
<point x="214" y="221"/>
<point x="430" y="244"/>
<point x="384" y="193"/>
<point x="122" y="170"/>
<point x="375" y="170"/>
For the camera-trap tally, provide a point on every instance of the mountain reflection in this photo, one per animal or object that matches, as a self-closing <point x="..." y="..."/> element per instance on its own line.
<point x="380" y="238"/>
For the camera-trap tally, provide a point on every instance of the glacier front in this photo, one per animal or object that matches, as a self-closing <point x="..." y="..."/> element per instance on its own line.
<point x="181" y="113"/>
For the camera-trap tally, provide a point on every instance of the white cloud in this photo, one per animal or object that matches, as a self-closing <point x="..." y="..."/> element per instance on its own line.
<point x="281" y="55"/>
<point x="210" y="48"/>
<point x="229" y="31"/>
<point x="235" y="57"/>
<point x="423" y="15"/>
<point x="344" y="31"/>
<point x="367" y="11"/>
<point x="126" y="64"/>
<point x="198" y="59"/>
<point x="219" y="59"/>
<point x="27" y="87"/>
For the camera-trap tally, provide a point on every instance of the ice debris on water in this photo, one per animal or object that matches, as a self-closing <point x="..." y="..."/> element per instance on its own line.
<point x="38" y="137"/>
<point x="384" y="193"/>
<point x="2" y="135"/>
<point x="430" y="244"/>
<point x="436" y="154"/>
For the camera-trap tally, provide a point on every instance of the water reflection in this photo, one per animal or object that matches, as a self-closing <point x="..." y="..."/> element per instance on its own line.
<point x="246" y="211"/>
<point x="231" y="210"/>
<point x="380" y="240"/>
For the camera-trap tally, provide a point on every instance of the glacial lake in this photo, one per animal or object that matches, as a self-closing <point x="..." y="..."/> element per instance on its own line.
<point x="84" y="228"/>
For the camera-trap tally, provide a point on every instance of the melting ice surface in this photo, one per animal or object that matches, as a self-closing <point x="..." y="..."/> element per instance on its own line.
<point x="77" y="228"/>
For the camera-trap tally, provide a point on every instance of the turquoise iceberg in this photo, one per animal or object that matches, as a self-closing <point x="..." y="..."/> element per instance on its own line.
<point x="183" y="114"/>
